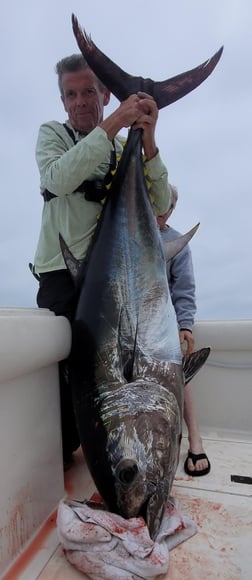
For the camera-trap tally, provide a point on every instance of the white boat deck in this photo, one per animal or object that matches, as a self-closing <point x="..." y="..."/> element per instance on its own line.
<point x="222" y="547"/>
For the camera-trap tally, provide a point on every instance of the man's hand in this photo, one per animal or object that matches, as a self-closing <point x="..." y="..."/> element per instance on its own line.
<point x="147" y="122"/>
<point x="187" y="338"/>
<point x="128" y="113"/>
<point x="140" y="112"/>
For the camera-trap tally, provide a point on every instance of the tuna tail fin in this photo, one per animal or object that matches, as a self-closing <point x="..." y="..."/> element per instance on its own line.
<point x="173" y="89"/>
<point x="73" y="265"/>
<point x="173" y="247"/>
<point x="122" y="84"/>
<point x="193" y="363"/>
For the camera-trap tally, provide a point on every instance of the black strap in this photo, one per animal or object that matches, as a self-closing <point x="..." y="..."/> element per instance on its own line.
<point x="47" y="195"/>
<point x="32" y="269"/>
<point x="70" y="132"/>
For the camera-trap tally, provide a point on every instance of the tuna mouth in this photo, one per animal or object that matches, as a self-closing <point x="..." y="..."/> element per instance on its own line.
<point x="127" y="471"/>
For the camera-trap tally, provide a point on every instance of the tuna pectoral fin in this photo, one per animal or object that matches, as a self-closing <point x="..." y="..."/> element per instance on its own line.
<point x="193" y="363"/>
<point x="73" y="265"/>
<point x="173" y="247"/>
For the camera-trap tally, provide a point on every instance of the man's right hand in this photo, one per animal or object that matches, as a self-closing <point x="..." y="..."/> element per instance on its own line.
<point x="128" y="112"/>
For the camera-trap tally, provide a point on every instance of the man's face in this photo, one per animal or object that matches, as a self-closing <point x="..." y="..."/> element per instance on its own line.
<point x="161" y="219"/>
<point x="83" y="99"/>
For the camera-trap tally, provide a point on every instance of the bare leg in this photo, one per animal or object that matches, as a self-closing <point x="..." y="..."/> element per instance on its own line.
<point x="194" y="438"/>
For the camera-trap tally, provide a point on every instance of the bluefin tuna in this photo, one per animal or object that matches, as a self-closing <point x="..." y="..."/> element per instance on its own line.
<point x="126" y="363"/>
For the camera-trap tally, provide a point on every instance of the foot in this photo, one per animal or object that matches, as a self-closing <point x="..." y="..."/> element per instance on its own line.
<point x="197" y="464"/>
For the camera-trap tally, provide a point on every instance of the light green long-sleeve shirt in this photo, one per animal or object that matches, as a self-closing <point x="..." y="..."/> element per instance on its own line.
<point x="63" y="167"/>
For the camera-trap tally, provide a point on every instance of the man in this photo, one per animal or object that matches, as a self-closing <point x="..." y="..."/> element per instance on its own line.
<point x="182" y="288"/>
<point x="74" y="160"/>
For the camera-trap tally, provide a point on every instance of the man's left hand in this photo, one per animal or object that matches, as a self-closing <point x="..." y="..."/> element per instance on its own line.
<point x="147" y="122"/>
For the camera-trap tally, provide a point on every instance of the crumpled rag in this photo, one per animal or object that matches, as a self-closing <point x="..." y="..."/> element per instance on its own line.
<point x="105" y="546"/>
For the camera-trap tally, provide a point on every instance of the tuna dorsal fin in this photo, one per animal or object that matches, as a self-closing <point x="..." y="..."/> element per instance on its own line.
<point x="122" y="84"/>
<point x="173" y="247"/>
<point x="193" y="363"/>
<point x="73" y="265"/>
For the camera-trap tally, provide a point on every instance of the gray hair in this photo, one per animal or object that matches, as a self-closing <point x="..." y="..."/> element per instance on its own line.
<point x="174" y="196"/>
<point x="73" y="63"/>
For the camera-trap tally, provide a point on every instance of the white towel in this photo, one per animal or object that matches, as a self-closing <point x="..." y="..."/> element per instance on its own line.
<point x="106" y="546"/>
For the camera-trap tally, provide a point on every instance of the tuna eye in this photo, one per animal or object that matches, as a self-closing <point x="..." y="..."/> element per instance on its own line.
<point x="126" y="471"/>
<point x="127" y="475"/>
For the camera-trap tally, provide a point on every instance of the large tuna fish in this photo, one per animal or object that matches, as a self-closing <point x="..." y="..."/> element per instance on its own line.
<point x="127" y="370"/>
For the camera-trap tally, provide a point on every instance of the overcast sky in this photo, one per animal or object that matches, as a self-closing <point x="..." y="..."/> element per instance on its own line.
<point x="205" y="139"/>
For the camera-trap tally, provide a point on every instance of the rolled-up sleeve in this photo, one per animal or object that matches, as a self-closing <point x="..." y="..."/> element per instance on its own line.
<point x="160" y="190"/>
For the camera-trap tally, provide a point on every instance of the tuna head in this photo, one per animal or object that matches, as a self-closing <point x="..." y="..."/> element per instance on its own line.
<point x="143" y="443"/>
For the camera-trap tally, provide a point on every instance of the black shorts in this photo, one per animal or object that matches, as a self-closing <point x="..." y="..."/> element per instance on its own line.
<point x="58" y="293"/>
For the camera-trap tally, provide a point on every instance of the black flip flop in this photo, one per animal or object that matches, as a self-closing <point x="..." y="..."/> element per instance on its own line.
<point x="195" y="457"/>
